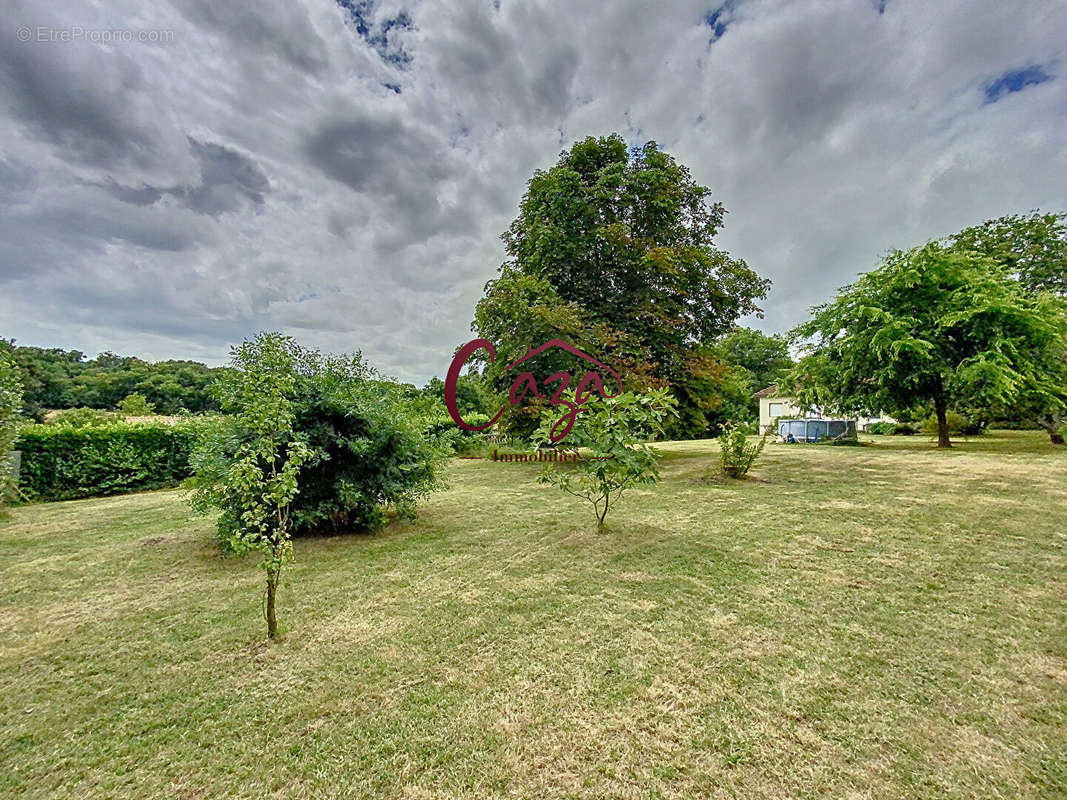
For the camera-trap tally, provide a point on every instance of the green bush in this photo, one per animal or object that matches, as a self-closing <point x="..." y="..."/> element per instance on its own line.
<point x="881" y="428"/>
<point x="445" y="431"/>
<point x="738" y="454"/>
<point x="370" y="449"/>
<point x="61" y="462"/>
<point x="10" y="420"/>
<point x="893" y="429"/>
<point x="135" y="405"/>
<point x="958" y="425"/>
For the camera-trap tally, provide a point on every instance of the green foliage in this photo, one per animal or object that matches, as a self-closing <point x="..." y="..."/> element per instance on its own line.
<point x="881" y="428"/>
<point x="64" y="462"/>
<point x="473" y="397"/>
<point x="711" y="394"/>
<point x="376" y="451"/>
<point x="254" y="481"/>
<point x="931" y="325"/>
<point x="10" y="420"/>
<point x="764" y="359"/>
<point x="611" y="435"/>
<point x="958" y="425"/>
<point x="135" y="405"/>
<point x="613" y="252"/>
<point x="451" y="437"/>
<point x="1032" y="247"/>
<point x="737" y="453"/>
<point x="377" y="446"/>
<point x="892" y="429"/>
<point x="82" y="418"/>
<point x="56" y="378"/>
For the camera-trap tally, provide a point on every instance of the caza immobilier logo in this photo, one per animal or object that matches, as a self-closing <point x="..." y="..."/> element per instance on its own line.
<point x="526" y="384"/>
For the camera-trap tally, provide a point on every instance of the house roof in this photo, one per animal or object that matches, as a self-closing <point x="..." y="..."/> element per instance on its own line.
<point x="769" y="391"/>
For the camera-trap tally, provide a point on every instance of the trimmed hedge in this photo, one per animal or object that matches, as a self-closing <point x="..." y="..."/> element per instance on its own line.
<point x="64" y="463"/>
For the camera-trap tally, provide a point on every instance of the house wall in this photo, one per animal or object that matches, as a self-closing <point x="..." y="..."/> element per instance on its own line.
<point x="771" y="408"/>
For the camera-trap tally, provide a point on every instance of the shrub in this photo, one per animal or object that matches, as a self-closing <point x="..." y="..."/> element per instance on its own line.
<point x="958" y="425"/>
<point x="10" y="421"/>
<point x="374" y="453"/>
<point x="81" y="417"/>
<point x="738" y="454"/>
<point x="135" y="405"/>
<point x="892" y="429"/>
<point x="881" y="428"/>
<point x="444" y="431"/>
<point x="62" y="462"/>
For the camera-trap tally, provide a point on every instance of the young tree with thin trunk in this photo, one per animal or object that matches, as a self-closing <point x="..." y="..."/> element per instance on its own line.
<point x="255" y="487"/>
<point x="931" y="325"/>
<point x="610" y="439"/>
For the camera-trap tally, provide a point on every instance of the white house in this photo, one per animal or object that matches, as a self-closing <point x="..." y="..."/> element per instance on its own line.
<point x="774" y="404"/>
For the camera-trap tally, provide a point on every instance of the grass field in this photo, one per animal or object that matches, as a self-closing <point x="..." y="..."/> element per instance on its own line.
<point x="879" y="622"/>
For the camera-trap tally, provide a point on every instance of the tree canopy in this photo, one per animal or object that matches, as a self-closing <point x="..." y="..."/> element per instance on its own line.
<point x="763" y="358"/>
<point x="613" y="251"/>
<point x="1032" y="247"/>
<point x="931" y="325"/>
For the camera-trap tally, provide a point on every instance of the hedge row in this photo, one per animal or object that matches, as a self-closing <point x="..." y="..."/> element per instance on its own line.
<point x="64" y="463"/>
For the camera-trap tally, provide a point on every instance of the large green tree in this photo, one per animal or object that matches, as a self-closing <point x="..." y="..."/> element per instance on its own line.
<point x="931" y="325"/>
<point x="613" y="250"/>
<point x="1033" y="249"/>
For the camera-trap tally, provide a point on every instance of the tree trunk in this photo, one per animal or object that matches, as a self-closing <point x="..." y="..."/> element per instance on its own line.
<point x="600" y="527"/>
<point x="1051" y="424"/>
<point x="941" y="409"/>
<point x="272" y="590"/>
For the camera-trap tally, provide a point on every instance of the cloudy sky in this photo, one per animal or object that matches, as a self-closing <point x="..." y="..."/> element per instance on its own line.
<point x="178" y="175"/>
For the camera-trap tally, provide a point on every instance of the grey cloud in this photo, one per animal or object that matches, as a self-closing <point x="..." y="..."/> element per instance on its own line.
<point x="375" y="154"/>
<point x="227" y="178"/>
<point x="85" y="105"/>
<point x="269" y="28"/>
<point x="138" y="196"/>
<point x="399" y="167"/>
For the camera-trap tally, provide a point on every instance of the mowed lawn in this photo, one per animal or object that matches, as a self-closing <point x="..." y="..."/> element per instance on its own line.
<point x="879" y="622"/>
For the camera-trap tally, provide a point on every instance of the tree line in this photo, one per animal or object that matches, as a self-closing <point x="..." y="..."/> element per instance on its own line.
<point x="53" y="378"/>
